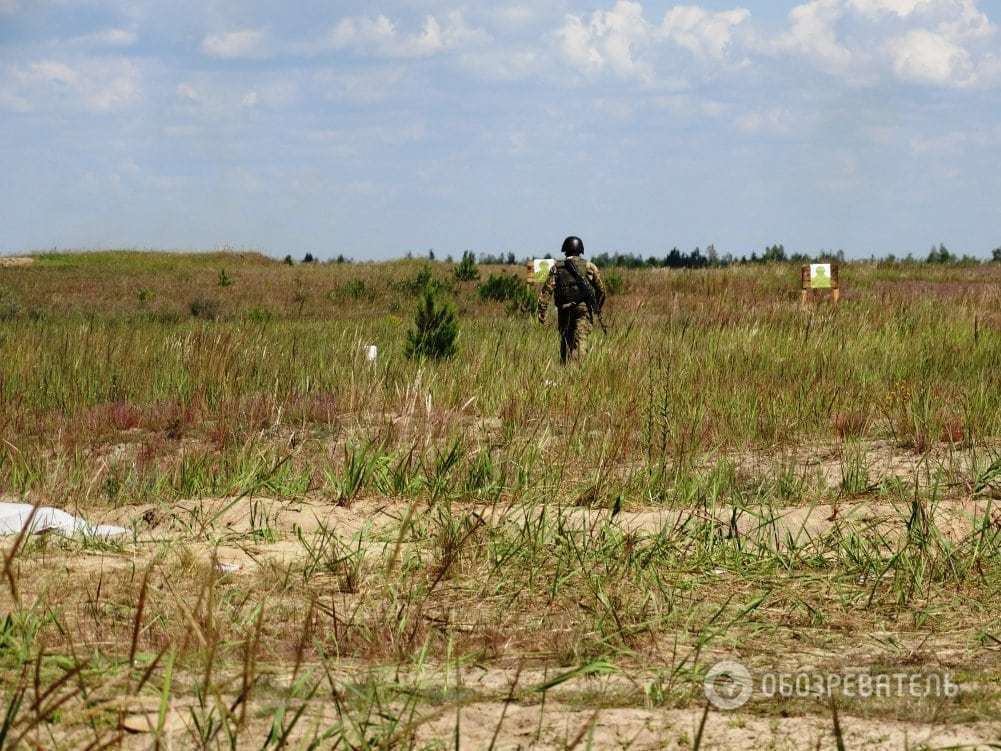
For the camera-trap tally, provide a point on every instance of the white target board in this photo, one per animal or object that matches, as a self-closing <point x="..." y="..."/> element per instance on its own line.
<point x="541" y="268"/>
<point x="820" y="276"/>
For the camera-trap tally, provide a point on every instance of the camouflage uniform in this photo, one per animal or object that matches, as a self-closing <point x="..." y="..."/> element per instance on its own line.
<point x="575" y="320"/>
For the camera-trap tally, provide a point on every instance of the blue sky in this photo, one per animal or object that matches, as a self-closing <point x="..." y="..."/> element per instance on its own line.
<point x="374" y="128"/>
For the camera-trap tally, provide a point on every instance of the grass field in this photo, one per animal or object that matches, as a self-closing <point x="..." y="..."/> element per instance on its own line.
<point x="495" y="551"/>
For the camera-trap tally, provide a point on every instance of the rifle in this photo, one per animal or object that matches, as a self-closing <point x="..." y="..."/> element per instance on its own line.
<point x="592" y="299"/>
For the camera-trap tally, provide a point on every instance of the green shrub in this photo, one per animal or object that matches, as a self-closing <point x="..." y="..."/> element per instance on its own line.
<point x="421" y="281"/>
<point x="205" y="308"/>
<point x="225" y="280"/>
<point x="614" y="283"/>
<point x="466" y="271"/>
<point x="9" y="307"/>
<point x="356" y="289"/>
<point x="501" y="287"/>
<point x="524" y="303"/>
<point x="511" y="289"/>
<point x="435" y="330"/>
<point x="424" y="281"/>
<point x="259" y="315"/>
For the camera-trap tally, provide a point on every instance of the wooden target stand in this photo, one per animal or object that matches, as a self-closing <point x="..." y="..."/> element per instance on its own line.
<point x="817" y="278"/>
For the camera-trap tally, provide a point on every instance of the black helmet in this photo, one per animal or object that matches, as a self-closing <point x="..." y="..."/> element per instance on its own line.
<point x="573" y="246"/>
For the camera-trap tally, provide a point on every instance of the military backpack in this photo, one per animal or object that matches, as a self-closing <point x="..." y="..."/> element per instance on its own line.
<point x="570" y="288"/>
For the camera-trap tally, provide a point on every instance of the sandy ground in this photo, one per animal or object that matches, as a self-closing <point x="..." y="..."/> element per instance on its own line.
<point x="557" y="725"/>
<point x="676" y="729"/>
<point x="220" y="531"/>
<point x="610" y="715"/>
<point x="558" y="722"/>
<point x="229" y="521"/>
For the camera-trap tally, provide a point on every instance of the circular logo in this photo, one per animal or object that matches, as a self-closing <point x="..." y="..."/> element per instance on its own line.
<point x="728" y="685"/>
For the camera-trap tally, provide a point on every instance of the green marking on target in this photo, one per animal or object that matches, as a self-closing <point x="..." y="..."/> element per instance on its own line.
<point x="541" y="268"/>
<point x="820" y="276"/>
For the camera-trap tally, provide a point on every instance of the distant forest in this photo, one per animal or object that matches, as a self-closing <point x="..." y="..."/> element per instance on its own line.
<point x="699" y="259"/>
<point x="710" y="258"/>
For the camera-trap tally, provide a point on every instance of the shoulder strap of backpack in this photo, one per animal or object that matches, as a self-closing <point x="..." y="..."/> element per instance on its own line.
<point x="585" y="284"/>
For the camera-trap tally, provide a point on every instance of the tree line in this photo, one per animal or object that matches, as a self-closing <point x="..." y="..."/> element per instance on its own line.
<point x="709" y="258"/>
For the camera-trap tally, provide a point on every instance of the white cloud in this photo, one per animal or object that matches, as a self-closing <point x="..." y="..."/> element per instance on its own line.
<point x="362" y="32"/>
<point x="380" y="36"/>
<point x="609" y="39"/>
<point x="927" y="57"/>
<point x="246" y="44"/>
<point x="576" y="43"/>
<point x="702" y="33"/>
<point x="94" y="85"/>
<point x="968" y="23"/>
<point x="934" y="42"/>
<point x="954" y="18"/>
<point x="812" y="33"/>
<point x="874" y="8"/>
<point x="622" y="41"/>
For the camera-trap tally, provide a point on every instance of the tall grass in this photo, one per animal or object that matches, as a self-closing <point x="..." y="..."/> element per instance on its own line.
<point x="495" y="491"/>
<point x="693" y="367"/>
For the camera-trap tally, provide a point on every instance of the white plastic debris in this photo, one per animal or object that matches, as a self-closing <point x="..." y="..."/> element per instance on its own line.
<point x="371" y="353"/>
<point x="227" y="568"/>
<point x="14" y="517"/>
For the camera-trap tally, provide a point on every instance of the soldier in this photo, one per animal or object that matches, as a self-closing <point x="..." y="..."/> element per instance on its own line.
<point x="580" y="296"/>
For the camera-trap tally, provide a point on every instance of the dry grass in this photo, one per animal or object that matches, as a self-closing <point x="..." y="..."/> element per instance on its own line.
<point x="325" y="553"/>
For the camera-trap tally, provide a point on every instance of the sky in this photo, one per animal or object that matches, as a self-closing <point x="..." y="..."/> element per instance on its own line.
<point x="375" y="128"/>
